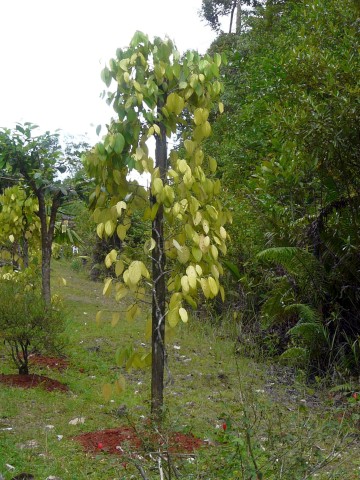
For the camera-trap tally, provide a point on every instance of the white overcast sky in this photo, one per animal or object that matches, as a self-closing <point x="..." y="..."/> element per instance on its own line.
<point x="52" y="53"/>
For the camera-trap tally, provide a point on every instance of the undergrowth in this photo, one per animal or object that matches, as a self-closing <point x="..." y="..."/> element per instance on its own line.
<point x="257" y="420"/>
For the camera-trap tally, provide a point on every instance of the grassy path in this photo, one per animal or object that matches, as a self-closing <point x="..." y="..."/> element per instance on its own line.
<point x="273" y="423"/>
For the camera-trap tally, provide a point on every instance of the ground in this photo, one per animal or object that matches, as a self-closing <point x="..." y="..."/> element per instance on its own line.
<point x="226" y="404"/>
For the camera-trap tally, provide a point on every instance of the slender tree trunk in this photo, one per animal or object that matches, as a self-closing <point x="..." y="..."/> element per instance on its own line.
<point x="47" y="235"/>
<point x="238" y="17"/>
<point x="232" y="14"/>
<point x="159" y="288"/>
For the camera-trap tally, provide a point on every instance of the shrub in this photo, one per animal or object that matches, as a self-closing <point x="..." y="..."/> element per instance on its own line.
<point x="26" y="321"/>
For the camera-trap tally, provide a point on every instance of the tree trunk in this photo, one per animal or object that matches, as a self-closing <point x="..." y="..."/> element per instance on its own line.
<point x="238" y="17"/>
<point x="159" y="288"/>
<point x="47" y="235"/>
<point x="232" y="14"/>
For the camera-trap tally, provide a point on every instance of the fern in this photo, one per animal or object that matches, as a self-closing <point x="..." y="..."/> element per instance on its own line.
<point x="296" y="356"/>
<point x="305" y="312"/>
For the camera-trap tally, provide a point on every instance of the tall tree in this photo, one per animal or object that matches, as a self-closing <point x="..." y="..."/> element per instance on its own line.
<point x="213" y="10"/>
<point x="34" y="161"/>
<point x="154" y="89"/>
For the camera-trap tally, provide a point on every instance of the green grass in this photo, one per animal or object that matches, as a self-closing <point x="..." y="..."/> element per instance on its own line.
<point x="288" y="429"/>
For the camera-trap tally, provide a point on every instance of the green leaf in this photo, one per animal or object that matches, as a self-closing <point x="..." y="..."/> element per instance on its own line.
<point x="119" y="143"/>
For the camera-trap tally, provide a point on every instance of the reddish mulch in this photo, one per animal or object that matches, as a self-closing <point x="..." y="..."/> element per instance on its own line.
<point x="48" y="362"/>
<point x="128" y="439"/>
<point x="31" y="381"/>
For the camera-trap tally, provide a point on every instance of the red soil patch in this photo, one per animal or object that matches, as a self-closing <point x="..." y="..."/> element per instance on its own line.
<point x="48" y="362"/>
<point x="31" y="381"/>
<point x="126" y="439"/>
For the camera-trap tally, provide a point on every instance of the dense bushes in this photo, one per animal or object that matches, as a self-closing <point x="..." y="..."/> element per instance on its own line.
<point x="288" y="151"/>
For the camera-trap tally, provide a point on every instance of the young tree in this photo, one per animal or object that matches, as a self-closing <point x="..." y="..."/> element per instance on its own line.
<point x="35" y="161"/>
<point x="26" y="322"/>
<point x="155" y="87"/>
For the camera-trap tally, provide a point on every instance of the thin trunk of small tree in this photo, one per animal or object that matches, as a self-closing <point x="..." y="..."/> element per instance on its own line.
<point x="159" y="287"/>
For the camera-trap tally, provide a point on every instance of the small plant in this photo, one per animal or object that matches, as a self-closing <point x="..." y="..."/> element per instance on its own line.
<point x="25" y="321"/>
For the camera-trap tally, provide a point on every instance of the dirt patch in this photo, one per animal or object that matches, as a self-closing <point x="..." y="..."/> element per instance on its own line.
<point x="49" y="362"/>
<point x="125" y="440"/>
<point x="32" y="381"/>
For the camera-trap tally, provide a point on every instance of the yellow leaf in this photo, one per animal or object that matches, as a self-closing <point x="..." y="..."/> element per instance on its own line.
<point x="107" y="391"/>
<point x="120" y="384"/>
<point x="206" y="227"/>
<point x="185" y="284"/>
<point x="183" y="255"/>
<point x="222" y="293"/>
<point x="190" y="301"/>
<point x="109" y="227"/>
<point x="144" y="271"/>
<point x="121" y="232"/>
<point x="98" y="317"/>
<point x="100" y="230"/>
<point x="214" y="288"/>
<point x="173" y="317"/>
<point x="214" y="252"/>
<point x="189" y="146"/>
<point x="212" y="165"/>
<point x="120" y="206"/>
<point x="198" y="270"/>
<point x="177" y="245"/>
<point x="121" y="291"/>
<point x="131" y="312"/>
<point x="11" y="238"/>
<point x="157" y="186"/>
<point x="223" y="233"/>
<point x="221" y="107"/>
<point x="149" y="245"/>
<point x="108" y="261"/>
<point x="113" y="255"/>
<point x="115" y="318"/>
<point x="175" y="103"/>
<point x="205" y="287"/>
<point x="215" y="271"/>
<point x="182" y="166"/>
<point x="119" y="268"/>
<point x="196" y="253"/>
<point x="107" y="286"/>
<point x="183" y="315"/>
<point x="197" y="218"/>
<point x="135" y="272"/>
<point x="175" y="300"/>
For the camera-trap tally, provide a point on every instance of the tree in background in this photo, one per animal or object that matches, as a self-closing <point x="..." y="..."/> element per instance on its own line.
<point x="155" y="87"/>
<point x="212" y="11"/>
<point x="34" y="162"/>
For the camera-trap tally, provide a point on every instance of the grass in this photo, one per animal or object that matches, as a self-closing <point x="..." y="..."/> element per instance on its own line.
<point x="275" y="425"/>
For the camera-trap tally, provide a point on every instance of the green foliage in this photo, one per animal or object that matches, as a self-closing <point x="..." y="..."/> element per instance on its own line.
<point x="288" y="154"/>
<point x="25" y="321"/>
<point x="19" y="226"/>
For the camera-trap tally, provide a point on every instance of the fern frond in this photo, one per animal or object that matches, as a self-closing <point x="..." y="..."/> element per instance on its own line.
<point x="306" y="313"/>
<point x="295" y="356"/>
<point x="299" y="263"/>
